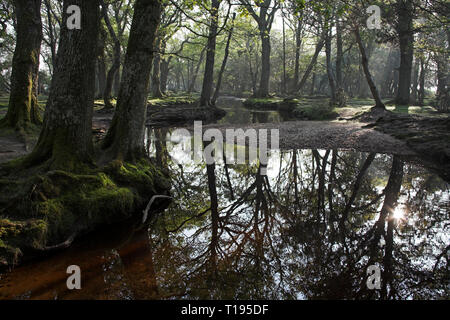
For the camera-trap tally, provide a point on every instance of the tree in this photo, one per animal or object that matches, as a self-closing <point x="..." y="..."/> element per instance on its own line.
<point x="210" y="54"/>
<point x="66" y="136"/>
<point x="405" y="33"/>
<point x="121" y="21"/>
<point x="264" y="19"/>
<point x="23" y="108"/>
<point x="125" y="138"/>
<point x="365" y="63"/>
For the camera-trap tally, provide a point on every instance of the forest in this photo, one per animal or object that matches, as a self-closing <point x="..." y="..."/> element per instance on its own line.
<point x="98" y="101"/>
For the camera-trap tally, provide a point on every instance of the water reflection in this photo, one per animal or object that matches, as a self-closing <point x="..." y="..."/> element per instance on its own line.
<point x="307" y="230"/>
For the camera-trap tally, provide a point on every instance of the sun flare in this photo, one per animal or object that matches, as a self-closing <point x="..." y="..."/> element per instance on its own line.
<point x="399" y="213"/>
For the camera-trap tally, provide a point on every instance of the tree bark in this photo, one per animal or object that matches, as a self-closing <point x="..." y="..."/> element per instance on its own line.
<point x="311" y="65"/>
<point x="66" y="137"/>
<point x="339" y="54"/>
<point x="224" y="64"/>
<point x="406" y="39"/>
<point x="116" y="59"/>
<point x="330" y="68"/>
<point x="191" y="84"/>
<point x="421" y="92"/>
<point x="125" y="138"/>
<point x="156" y="74"/>
<point x="23" y="107"/>
<point x="208" y="77"/>
<point x="365" y="64"/>
<point x="298" y="46"/>
<point x="265" y="64"/>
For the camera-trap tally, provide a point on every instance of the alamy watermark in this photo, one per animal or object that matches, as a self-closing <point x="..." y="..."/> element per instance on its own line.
<point x="209" y="145"/>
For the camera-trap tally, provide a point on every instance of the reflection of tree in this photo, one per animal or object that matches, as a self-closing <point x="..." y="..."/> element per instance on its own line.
<point x="309" y="231"/>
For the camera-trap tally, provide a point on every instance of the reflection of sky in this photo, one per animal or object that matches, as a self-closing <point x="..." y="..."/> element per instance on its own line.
<point x="278" y="166"/>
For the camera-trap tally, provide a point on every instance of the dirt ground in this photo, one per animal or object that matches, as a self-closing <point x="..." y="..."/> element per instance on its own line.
<point x="331" y="135"/>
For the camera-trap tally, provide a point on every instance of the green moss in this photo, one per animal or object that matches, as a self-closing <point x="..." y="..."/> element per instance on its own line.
<point x="173" y="100"/>
<point x="263" y="103"/>
<point x="48" y="207"/>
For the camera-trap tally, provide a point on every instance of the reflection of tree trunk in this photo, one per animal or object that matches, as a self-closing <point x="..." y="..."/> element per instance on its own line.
<point x="210" y="171"/>
<point x="331" y="184"/>
<point x="162" y="155"/>
<point x="137" y="260"/>
<point x="227" y="174"/>
<point x="391" y="191"/>
<point x="356" y="186"/>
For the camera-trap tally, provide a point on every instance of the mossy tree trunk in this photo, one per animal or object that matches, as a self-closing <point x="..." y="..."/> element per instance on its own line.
<point x="125" y="138"/>
<point x="66" y="137"/>
<point x="23" y="105"/>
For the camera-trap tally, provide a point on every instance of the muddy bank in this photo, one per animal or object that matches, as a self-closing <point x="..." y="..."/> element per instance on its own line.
<point x="330" y="135"/>
<point x="428" y="137"/>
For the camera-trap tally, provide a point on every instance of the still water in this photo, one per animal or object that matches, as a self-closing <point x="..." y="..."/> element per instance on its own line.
<point x="309" y="229"/>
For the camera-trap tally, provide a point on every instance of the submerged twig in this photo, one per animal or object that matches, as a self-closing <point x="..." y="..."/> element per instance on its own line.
<point x="145" y="212"/>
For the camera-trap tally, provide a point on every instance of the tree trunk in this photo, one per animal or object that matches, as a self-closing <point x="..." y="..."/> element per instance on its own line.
<point x="365" y="64"/>
<point x="406" y="39"/>
<point x="224" y="64"/>
<point x="116" y="59"/>
<point x="66" y="137"/>
<point x="156" y="76"/>
<point x="298" y="46"/>
<point x="339" y="54"/>
<point x="23" y="107"/>
<point x="125" y="138"/>
<point x="311" y="65"/>
<point x="191" y="85"/>
<point x="101" y="75"/>
<point x="164" y="74"/>
<point x="421" y="92"/>
<point x="330" y="68"/>
<point x="208" y="77"/>
<point x="265" y="64"/>
<point x="415" y="81"/>
<point x="116" y="86"/>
